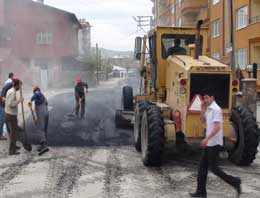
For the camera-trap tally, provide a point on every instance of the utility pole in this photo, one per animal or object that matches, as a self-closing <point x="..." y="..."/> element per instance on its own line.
<point x="232" y="61"/>
<point x="97" y="62"/>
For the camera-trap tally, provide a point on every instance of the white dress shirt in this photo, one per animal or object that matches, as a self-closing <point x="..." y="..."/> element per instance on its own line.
<point x="212" y="115"/>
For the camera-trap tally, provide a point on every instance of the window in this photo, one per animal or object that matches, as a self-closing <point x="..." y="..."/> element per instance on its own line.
<point x="173" y="9"/>
<point x="214" y="2"/>
<point x="169" y="47"/>
<point x="215" y="28"/>
<point x="241" y="58"/>
<point x="179" y="3"/>
<point x="44" y="38"/>
<point x="216" y="55"/>
<point x="242" y="17"/>
<point x="180" y="22"/>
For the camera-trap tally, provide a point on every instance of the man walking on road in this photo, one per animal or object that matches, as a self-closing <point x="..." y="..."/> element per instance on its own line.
<point x="211" y="114"/>
<point x="42" y="113"/>
<point x="80" y="97"/>
<point x="11" y="110"/>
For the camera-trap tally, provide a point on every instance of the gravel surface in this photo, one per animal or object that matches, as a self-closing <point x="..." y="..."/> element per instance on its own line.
<point x="91" y="158"/>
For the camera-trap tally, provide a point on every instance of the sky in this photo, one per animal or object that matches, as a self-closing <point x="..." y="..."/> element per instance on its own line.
<point x="112" y="20"/>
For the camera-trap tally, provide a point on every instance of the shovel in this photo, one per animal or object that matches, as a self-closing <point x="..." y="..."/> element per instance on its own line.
<point x="26" y="144"/>
<point x="72" y="114"/>
<point x="34" y="118"/>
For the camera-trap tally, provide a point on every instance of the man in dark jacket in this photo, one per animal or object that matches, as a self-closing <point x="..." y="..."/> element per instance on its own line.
<point x="42" y="113"/>
<point x="5" y="88"/>
<point x="177" y="49"/>
<point x="79" y="93"/>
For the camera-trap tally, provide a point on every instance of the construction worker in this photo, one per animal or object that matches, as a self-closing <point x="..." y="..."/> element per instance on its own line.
<point x="42" y="114"/>
<point x="211" y="115"/>
<point x="10" y="77"/>
<point x="80" y="97"/>
<point x="2" y="118"/>
<point x="176" y="49"/>
<point x="11" y="111"/>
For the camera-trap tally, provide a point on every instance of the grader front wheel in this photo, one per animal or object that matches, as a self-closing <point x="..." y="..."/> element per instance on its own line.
<point x="139" y="109"/>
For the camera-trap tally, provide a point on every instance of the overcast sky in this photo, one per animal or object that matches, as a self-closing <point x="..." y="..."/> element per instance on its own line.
<point x="113" y="25"/>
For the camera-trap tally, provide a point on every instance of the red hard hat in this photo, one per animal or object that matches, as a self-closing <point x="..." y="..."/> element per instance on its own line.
<point x="14" y="78"/>
<point x="78" y="79"/>
<point x="36" y="88"/>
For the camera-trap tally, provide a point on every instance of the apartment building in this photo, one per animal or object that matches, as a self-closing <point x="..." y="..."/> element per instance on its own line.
<point x="177" y="13"/>
<point x="217" y="17"/>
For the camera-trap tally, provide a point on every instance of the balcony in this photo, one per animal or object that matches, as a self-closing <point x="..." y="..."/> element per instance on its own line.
<point x="254" y="20"/>
<point x="254" y="8"/>
<point x="164" y="3"/>
<point x="192" y="7"/>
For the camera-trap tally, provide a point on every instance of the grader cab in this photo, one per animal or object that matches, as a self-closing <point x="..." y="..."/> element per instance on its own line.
<point x="174" y="72"/>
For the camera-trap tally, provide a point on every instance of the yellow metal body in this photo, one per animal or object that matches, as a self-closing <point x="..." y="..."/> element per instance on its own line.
<point x="162" y="63"/>
<point x="167" y="93"/>
<point x="175" y="71"/>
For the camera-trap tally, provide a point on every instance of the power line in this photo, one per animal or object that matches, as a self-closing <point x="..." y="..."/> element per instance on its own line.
<point x="144" y="21"/>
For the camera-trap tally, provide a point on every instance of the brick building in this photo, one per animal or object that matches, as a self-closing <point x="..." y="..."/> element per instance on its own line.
<point x="34" y="38"/>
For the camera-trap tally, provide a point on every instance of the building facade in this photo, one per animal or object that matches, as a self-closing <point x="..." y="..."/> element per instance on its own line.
<point x="177" y="13"/>
<point x="37" y="37"/>
<point x="216" y="14"/>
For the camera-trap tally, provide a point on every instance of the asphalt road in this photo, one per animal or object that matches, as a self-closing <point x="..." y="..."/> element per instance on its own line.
<point x="91" y="158"/>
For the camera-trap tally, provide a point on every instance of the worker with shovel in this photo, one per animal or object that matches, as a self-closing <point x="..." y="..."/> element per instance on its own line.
<point x="80" y="97"/>
<point x="42" y="114"/>
<point x="11" y="111"/>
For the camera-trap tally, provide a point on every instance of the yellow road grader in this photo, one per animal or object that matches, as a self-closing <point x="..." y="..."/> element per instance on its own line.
<point x="174" y="72"/>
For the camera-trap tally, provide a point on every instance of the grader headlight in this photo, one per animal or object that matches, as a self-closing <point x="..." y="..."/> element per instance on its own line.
<point x="183" y="83"/>
<point x="235" y="86"/>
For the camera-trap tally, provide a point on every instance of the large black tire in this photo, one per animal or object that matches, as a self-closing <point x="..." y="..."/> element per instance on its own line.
<point x="248" y="135"/>
<point x="152" y="136"/>
<point x="139" y="109"/>
<point x="128" y="98"/>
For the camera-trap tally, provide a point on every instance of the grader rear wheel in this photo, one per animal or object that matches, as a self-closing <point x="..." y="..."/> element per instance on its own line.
<point x="152" y="136"/>
<point x="248" y="136"/>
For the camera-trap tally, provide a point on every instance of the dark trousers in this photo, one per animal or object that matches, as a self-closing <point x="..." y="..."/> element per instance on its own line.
<point x="209" y="160"/>
<point x="80" y="104"/>
<point x="13" y="125"/>
<point x="42" y="122"/>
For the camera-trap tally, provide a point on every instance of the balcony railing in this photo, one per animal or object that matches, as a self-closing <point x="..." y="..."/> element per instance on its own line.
<point x="254" y="20"/>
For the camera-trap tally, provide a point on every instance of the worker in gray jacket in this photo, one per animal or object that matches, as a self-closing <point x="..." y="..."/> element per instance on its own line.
<point x="42" y="113"/>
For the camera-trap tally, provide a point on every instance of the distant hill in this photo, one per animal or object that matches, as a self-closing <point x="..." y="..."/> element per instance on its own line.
<point x="107" y="53"/>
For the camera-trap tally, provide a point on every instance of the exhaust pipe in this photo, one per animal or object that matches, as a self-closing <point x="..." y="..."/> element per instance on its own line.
<point x="197" y="42"/>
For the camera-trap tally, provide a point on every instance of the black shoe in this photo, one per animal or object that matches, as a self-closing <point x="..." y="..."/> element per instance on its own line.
<point x="14" y="153"/>
<point x="237" y="186"/>
<point x="43" y="150"/>
<point x="197" y="194"/>
<point x="39" y="148"/>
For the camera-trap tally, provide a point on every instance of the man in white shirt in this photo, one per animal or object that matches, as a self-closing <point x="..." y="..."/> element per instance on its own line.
<point x="211" y="114"/>
<point x="11" y="110"/>
<point x="10" y="77"/>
